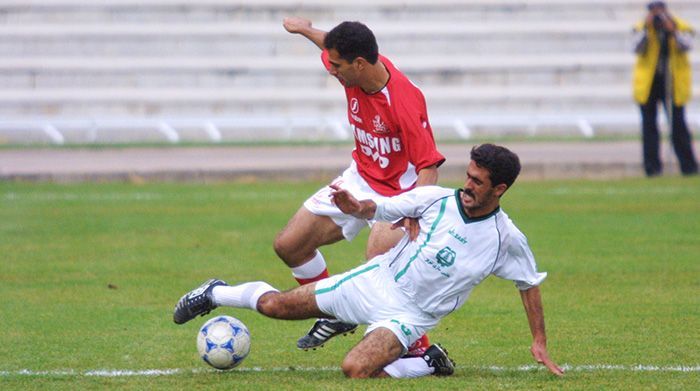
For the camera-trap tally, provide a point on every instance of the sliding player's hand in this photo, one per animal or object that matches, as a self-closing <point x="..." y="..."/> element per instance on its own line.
<point x="539" y="352"/>
<point x="410" y="224"/>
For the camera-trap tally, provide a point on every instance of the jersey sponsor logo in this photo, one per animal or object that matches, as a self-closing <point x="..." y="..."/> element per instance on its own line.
<point x="356" y="118"/>
<point x="457" y="236"/>
<point x="354" y="105"/>
<point x="446" y="257"/>
<point x="376" y="147"/>
<point x="379" y="126"/>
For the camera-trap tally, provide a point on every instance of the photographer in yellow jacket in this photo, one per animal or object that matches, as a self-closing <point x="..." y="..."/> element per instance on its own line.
<point x="663" y="74"/>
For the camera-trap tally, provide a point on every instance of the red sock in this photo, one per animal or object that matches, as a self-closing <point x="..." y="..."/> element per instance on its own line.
<point x="304" y="281"/>
<point x="419" y="347"/>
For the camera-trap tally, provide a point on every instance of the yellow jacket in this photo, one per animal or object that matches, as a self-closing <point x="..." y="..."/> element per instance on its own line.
<point x="679" y="65"/>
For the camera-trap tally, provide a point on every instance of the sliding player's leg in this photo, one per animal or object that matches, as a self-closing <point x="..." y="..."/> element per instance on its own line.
<point x="378" y="354"/>
<point x="298" y="303"/>
<point x="376" y="350"/>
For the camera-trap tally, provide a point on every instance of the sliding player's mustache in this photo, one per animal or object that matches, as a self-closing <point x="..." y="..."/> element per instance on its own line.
<point x="468" y="192"/>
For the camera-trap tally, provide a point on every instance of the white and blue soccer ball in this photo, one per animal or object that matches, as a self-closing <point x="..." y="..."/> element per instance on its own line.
<point x="223" y="342"/>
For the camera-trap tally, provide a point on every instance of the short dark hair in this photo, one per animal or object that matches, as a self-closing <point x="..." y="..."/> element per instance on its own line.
<point x="502" y="163"/>
<point x="352" y="40"/>
<point x="654" y="4"/>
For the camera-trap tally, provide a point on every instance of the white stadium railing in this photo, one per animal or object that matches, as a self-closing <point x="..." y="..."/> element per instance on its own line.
<point x="334" y="128"/>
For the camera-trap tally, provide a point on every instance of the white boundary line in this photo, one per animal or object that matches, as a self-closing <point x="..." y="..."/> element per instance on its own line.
<point x="179" y="371"/>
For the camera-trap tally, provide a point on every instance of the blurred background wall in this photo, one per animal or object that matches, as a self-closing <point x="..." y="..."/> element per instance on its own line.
<point x="226" y="71"/>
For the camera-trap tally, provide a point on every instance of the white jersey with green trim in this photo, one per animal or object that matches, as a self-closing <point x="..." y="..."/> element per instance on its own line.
<point x="453" y="253"/>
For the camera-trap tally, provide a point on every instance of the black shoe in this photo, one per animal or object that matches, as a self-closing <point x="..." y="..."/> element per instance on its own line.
<point x="436" y="357"/>
<point x="196" y="302"/>
<point x="322" y="331"/>
<point x="654" y="173"/>
<point x="691" y="172"/>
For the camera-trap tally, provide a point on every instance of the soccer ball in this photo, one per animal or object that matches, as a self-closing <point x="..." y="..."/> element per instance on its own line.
<point x="223" y="342"/>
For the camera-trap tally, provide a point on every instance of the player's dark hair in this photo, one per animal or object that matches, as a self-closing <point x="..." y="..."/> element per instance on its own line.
<point x="352" y="40"/>
<point x="502" y="163"/>
<point x="653" y="4"/>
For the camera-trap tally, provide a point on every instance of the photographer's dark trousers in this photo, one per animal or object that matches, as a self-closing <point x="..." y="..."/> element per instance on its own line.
<point x="680" y="136"/>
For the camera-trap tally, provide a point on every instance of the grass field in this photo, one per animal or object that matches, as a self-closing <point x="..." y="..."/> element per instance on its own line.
<point x="89" y="275"/>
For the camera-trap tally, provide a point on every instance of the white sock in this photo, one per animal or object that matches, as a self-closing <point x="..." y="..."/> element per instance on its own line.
<point x="241" y="296"/>
<point x="310" y="269"/>
<point x="409" y="367"/>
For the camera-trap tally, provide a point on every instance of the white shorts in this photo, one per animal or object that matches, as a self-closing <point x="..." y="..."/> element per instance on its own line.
<point x="368" y="295"/>
<point x="320" y="203"/>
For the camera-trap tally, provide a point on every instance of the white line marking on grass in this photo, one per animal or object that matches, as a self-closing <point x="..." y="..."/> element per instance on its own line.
<point x="127" y="373"/>
<point x="601" y="367"/>
<point x="177" y="371"/>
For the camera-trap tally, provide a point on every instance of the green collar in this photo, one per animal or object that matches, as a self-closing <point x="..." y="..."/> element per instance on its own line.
<point x="468" y="219"/>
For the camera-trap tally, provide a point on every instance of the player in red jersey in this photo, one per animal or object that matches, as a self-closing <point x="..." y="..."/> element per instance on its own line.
<point x="394" y="152"/>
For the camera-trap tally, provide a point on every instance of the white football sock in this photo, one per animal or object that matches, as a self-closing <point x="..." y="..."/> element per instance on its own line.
<point x="241" y="296"/>
<point x="409" y="367"/>
<point x="312" y="268"/>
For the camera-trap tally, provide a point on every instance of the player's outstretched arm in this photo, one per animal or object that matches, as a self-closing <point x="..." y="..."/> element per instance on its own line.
<point x="535" y="317"/>
<point x="348" y="204"/>
<point x="298" y="25"/>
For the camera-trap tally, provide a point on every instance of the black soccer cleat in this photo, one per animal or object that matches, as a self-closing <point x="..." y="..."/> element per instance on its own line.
<point x="436" y="357"/>
<point x="196" y="302"/>
<point x="322" y="331"/>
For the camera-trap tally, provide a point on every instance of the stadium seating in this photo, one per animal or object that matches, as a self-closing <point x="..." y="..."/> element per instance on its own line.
<point x="225" y="70"/>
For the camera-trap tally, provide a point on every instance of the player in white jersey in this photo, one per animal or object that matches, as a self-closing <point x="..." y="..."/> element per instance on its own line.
<point x="464" y="237"/>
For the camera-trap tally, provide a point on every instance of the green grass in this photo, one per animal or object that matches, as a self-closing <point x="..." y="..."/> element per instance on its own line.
<point x="623" y="287"/>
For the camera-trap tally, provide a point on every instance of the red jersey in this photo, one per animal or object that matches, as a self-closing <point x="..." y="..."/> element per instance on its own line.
<point x="393" y="138"/>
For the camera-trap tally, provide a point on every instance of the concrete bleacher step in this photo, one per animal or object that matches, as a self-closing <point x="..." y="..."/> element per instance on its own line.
<point x="390" y="28"/>
<point x="27" y="11"/>
<point x="408" y="63"/>
<point x="270" y="38"/>
<point x="561" y="69"/>
<point x="288" y="45"/>
<point x="472" y="98"/>
<point x="294" y="64"/>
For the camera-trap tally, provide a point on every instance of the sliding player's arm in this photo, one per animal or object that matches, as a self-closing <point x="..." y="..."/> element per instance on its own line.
<point x="535" y="316"/>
